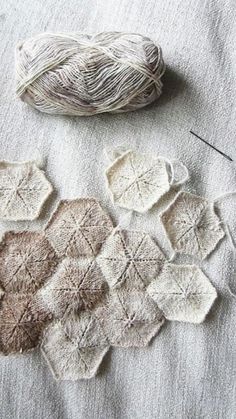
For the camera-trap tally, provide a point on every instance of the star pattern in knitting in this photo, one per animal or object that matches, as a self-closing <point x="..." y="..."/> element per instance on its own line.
<point x="26" y="261"/>
<point x="99" y="286"/>
<point x="78" y="228"/>
<point x="23" y="191"/>
<point x="77" y="285"/>
<point x="130" y="259"/>
<point x="183" y="293"/>
<point x="22" y="322"/>
<point x="192" y="225"/>
<point x="137" y="181"/>
<point x="75" y="349"/>
<point x="130" y="319"/>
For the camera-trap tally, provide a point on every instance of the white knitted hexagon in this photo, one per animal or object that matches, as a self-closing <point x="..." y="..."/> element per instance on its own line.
<point x="192" y="225"/>
<point x="137" y="181"/>
<point x="23" y="191"/>
<point x="183" y="293"/>
<point x="130" y="259"/>
<point x="78" y="228"/>
<point x="75" y="350"/>
<point x="130" y="319"/>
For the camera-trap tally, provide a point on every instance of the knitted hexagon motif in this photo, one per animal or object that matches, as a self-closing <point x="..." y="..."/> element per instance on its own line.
<point x="192" y="225"/>
<point x="26" y="261"/>
<point x="183" y="293"/>
<point x="22" y="322"/>
<point x="24" y="189"/>
<point x="77" y="285"/>
<point x="75" y="349"/>
<point x="137" y="181"/>
<point x="130" y="319"/>
<point x="130" y="259"/>
<point x="78" y="228"/>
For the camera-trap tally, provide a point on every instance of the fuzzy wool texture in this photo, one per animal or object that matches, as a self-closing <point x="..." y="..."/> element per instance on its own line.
<point x="104" y="274"/>
<point x="78" y="228"/>
<point x="77" y="285"/>
<point x="75" y="349"/>
<point x="79" y="74"/>
<point x="137" y="181"/>
<point x="130" y="319"/>
<point x="63" y="274"/>
<point x="183" y="293"/>
<point x="130" y="260"/>
<point x="192" y="225"/>
<point x="93" y="253"/>
<point x="24" y="189"/>
<point x="98" y="287"/>
<point x="27" y="260"/>
<point x="22" y="321"/>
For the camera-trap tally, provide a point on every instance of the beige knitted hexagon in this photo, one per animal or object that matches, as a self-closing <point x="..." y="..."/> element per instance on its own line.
<point x="137" y="181"/>
<point x="130" y="259"/>
<point x="78" y="228"/>
<point x="192" y="225"/>
<point x="130" y="319"/>
<point x="23" y="190"/>
<point x="77" y="285"/>
<point x="27" y="260"/>
<point x="183" y="293"/>
<point x="112" y="286"/>
<point x="75" y="349"/>
<point x="22" y="322"/>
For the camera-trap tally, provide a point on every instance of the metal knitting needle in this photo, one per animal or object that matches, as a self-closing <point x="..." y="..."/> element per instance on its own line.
<point x="212" y="146"/>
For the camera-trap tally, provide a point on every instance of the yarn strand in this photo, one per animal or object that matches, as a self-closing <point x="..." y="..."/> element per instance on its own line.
<point x="77" y="74"/>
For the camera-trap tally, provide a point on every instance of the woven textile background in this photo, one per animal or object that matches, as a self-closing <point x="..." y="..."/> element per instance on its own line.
<point x="189" y="371"/>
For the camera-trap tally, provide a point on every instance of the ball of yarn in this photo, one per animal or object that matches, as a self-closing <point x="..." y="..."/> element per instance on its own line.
<point x="78" y="74"/>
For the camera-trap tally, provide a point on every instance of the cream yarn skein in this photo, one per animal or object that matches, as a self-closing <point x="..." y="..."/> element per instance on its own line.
<point x="78" y="74"/>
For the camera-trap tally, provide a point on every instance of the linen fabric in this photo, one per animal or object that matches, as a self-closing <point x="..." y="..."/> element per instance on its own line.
<point x="189" y="370"/>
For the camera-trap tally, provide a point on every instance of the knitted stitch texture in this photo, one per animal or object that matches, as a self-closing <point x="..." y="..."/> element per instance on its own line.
<point x="27" y="260"/>
<point x="130" y="259"/>
<point x="77" y="285"/>
<point x="192" y="225"/>
<point x="98" y="286"/>
<point x="136" y="181"/>
<point x="23" y="191"/>
<point x="130" y="318"/>
<point x="78" y="228"/>
<point x="22" y="322"/>
<point x="183" y="293"/>
<point x="76" y="348"/>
